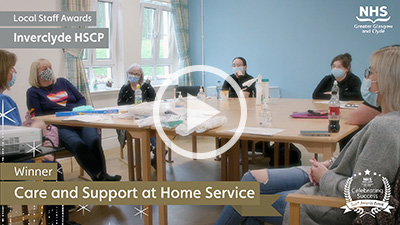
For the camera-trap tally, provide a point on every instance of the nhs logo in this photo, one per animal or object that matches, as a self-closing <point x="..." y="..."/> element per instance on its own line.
<point x="373" y="14"/>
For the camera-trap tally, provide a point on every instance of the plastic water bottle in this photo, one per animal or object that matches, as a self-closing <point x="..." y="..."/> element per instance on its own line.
<point x="219" y="88"/>
<point x="265" y="117"/>
<point x="265" y="91"/>
<point x="334" y="109"/>
<point x="201" y="95"/>
<point x="180" y="102"/>
<point x="138" y="95"/>
<point x="259" y="88"/>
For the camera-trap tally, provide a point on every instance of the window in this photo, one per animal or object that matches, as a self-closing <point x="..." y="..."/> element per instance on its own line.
<point x="159" y="52"/>
<point x="100" y="63"/>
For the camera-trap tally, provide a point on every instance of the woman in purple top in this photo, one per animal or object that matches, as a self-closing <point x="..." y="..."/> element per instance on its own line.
<point x="49" y="95"/>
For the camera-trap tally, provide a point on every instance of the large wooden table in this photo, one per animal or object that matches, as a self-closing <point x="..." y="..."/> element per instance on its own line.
<point x="280" y="108"/>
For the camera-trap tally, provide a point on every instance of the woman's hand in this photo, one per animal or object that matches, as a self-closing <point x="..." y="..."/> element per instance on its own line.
<point x="246" y="93"/>
<point x="318" y="169"/>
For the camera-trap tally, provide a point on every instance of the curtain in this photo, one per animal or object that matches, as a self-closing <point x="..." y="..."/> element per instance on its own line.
<point x="181" y="21"/>
<point x="74" y="68"/>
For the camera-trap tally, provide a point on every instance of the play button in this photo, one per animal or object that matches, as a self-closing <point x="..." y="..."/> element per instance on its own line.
<point x="194" y="107"/>
<point x="198" y="112"/>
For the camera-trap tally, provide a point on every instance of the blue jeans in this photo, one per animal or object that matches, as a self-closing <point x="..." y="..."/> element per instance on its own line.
<point x="85" y="144"/>
<point x="280" y="182"/>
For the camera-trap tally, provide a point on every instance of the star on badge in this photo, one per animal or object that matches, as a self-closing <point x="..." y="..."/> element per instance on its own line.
<point x="367" y="172"/>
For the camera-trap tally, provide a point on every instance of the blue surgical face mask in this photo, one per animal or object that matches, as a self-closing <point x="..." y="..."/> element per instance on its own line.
<point x="239" y="68"/>
<point x="337" y="73"/>
<point x="133" y="79"/>
<point x="12" y="81"/>
<point x="370" y="97"/>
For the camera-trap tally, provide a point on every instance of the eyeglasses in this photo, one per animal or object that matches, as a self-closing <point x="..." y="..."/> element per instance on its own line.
<point x="368" y="72"/>
<point x="134" y="74"/>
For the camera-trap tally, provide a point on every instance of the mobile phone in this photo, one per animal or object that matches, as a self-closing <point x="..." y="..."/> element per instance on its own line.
<point x="318" y="112"/>
<point x="315" y="133"/>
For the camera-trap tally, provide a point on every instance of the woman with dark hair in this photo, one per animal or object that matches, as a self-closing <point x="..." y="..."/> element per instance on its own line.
<point x="349" y="84"/>
<point x="240" y="75"/>
<point x="375" y="150"/>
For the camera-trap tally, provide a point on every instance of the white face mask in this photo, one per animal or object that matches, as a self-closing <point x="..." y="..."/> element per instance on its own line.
<point x="370" y="97"/>
<point x="239" y="70"/>
<point x="338" y="73"/>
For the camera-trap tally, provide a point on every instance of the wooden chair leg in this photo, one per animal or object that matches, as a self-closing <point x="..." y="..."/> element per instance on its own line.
<point x="253" y="152"/>
<point x="276" y="155"/>
<point x="294" y="210"/>
<point x="122" y="156"/>
<point x="217" y="146"/>
<point x="121" y="152"/>
<point x="82" y="174"/>
<point x="194" y="145"/>
<point x="170" y="160"/>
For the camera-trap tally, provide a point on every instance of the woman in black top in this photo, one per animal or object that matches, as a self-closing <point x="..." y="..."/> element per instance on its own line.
<point x="349" y="84"/>
<point x="126" y="96"/>
<point x="240" y="75"/>
<point x="127" y="93"/>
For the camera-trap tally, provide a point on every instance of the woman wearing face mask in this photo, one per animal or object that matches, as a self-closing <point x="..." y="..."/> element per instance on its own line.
<point x="375" y="148"/>
<point x="369" y="108"/>
<point x="349" y="84"/>
<point x="134" y="75"/>
<point x="8" y="75"/>
<point x="240" y="75"/>
<point x="49" y="95"/>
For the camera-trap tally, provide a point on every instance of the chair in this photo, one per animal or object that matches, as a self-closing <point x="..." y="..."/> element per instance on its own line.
<point x="185" y="90"/>
<point x="68" y="154"/>
<point x="34" y="213"/>
<point x="295" y="200"/>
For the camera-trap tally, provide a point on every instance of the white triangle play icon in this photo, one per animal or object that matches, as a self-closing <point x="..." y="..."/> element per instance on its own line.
<point x="198" y="112"/>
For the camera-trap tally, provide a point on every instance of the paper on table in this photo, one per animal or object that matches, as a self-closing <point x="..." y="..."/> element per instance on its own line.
<point x="321" y="102"/>
<point x="327" y="102"/>
<point x="259" y="131"/>
<point x="86" y="118"/>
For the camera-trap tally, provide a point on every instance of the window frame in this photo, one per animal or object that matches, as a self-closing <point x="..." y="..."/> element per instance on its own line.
<point x="91" y="62"/>
<point x="156" y="61"/>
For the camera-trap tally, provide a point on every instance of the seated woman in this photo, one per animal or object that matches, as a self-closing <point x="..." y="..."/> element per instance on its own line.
<point x="240" y="75"/>
<point x="375" y="148"/>
<point x="134" y="75"/>
<point x="349" y="84"/>
<point x="8" y="76"/>
<point x="49" y="95"/>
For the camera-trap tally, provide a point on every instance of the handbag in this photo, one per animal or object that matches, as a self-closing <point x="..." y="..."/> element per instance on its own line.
<point x="50" y="135"/>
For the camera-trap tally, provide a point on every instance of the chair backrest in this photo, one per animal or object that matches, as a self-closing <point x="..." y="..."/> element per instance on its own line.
<point x="185" y="90"/>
